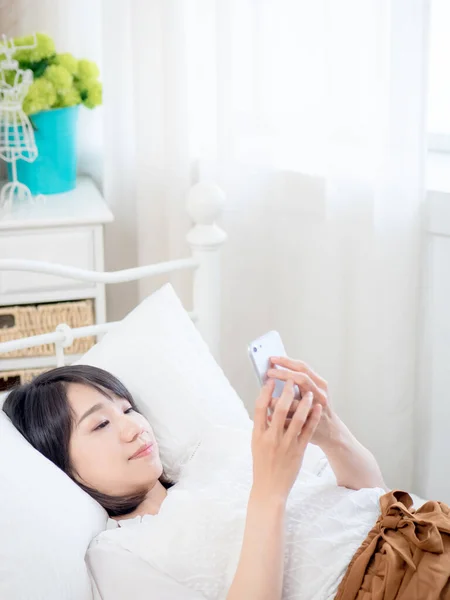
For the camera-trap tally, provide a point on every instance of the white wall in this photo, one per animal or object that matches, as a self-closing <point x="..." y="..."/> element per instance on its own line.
<point x="432" y="447"/>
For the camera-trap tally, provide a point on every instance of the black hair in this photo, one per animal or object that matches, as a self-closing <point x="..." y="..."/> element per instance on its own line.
<point x="41" y="412"/>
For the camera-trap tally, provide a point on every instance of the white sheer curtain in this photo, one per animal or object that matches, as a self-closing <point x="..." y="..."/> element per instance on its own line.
<point x="310" y="115"/>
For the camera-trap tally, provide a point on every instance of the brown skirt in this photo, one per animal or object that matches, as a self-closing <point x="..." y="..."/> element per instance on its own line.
<point x="406" y="556"/>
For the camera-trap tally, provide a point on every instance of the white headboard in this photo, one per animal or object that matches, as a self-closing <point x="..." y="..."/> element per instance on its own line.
<point x="204" y="205"/>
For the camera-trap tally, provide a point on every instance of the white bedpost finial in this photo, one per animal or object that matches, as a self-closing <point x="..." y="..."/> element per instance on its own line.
<point x="205" y="202"/>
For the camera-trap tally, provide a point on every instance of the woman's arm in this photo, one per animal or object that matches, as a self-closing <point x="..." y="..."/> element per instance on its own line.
<point x="354" y="465"/>
<point x="277" y="457"/>
<point x="259" y="575"/>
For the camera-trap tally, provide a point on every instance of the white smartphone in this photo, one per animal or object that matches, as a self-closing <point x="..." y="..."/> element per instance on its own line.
<point x="260" y="351"/>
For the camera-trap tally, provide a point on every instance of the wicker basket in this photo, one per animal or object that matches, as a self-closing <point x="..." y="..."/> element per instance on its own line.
<point x="9" y="379"/>
<point x="24" y="321"/>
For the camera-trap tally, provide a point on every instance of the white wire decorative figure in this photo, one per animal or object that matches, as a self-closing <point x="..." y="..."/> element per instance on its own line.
<point x="16" y="132"/>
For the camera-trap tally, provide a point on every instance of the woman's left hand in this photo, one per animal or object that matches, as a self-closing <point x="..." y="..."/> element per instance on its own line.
<point x="353" y="465"/>
<point x="307" y="381"/>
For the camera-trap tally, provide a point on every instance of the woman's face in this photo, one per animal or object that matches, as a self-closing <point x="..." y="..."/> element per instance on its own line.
<point x="112" y="447"/>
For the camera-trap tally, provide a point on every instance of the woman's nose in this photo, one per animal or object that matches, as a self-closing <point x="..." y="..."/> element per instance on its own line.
<point x="131" y="430"/>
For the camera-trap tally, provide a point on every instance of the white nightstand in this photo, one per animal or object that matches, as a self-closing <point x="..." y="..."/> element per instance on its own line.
<point x="66" y="229"/>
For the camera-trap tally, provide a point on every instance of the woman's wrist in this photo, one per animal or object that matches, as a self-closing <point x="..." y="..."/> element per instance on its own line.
<point x="267" y="499"/>
<point x="335" y="433"/>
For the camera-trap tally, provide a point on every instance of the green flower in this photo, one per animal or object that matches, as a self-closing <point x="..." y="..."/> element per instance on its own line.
<point x="68" y="61"/>
<point x="60" y="77"/>
<point x="87" y="71"/>
<point x="60" y="80"/>
<point x="92" y="95"/>
<point x="41" y="96"/>
<point x="70" y="98"/>
<point x="45" y="48"/>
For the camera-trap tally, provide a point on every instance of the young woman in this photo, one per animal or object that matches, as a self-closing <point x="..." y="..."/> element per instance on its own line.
<point x="246" y="534"/>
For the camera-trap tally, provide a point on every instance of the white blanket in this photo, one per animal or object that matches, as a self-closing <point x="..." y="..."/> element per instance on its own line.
<point x="197" y="536"/>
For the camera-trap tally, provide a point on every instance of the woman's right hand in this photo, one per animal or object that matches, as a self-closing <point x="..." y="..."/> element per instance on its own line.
<point x="277" y="458"/>
<point x="278" y="451"/>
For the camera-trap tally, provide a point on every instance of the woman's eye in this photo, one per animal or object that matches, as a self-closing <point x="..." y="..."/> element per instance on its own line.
<point x="126" y="412"/>
<point x="102" y="425"/>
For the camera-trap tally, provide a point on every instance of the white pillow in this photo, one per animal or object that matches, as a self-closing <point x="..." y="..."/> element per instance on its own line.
<point x="158" y="353"/>
<point x="46" y="524"/>
<point x="46" y="521"/>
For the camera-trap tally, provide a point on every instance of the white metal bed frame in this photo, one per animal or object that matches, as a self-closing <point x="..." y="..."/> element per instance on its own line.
<point x="204" y="205"/>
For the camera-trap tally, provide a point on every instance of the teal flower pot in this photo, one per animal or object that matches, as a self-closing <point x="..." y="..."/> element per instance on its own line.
<point x="55" y="169"/>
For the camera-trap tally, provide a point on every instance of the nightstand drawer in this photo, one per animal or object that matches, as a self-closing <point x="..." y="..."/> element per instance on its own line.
<point x="74" y="247"/>
<point x="28" y="320"/>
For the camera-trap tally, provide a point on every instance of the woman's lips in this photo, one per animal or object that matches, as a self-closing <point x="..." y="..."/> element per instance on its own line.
<point x="143" y="451"/>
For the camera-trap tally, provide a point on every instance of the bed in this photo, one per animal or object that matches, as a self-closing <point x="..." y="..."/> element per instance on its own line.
<point x="170" y="366"/>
